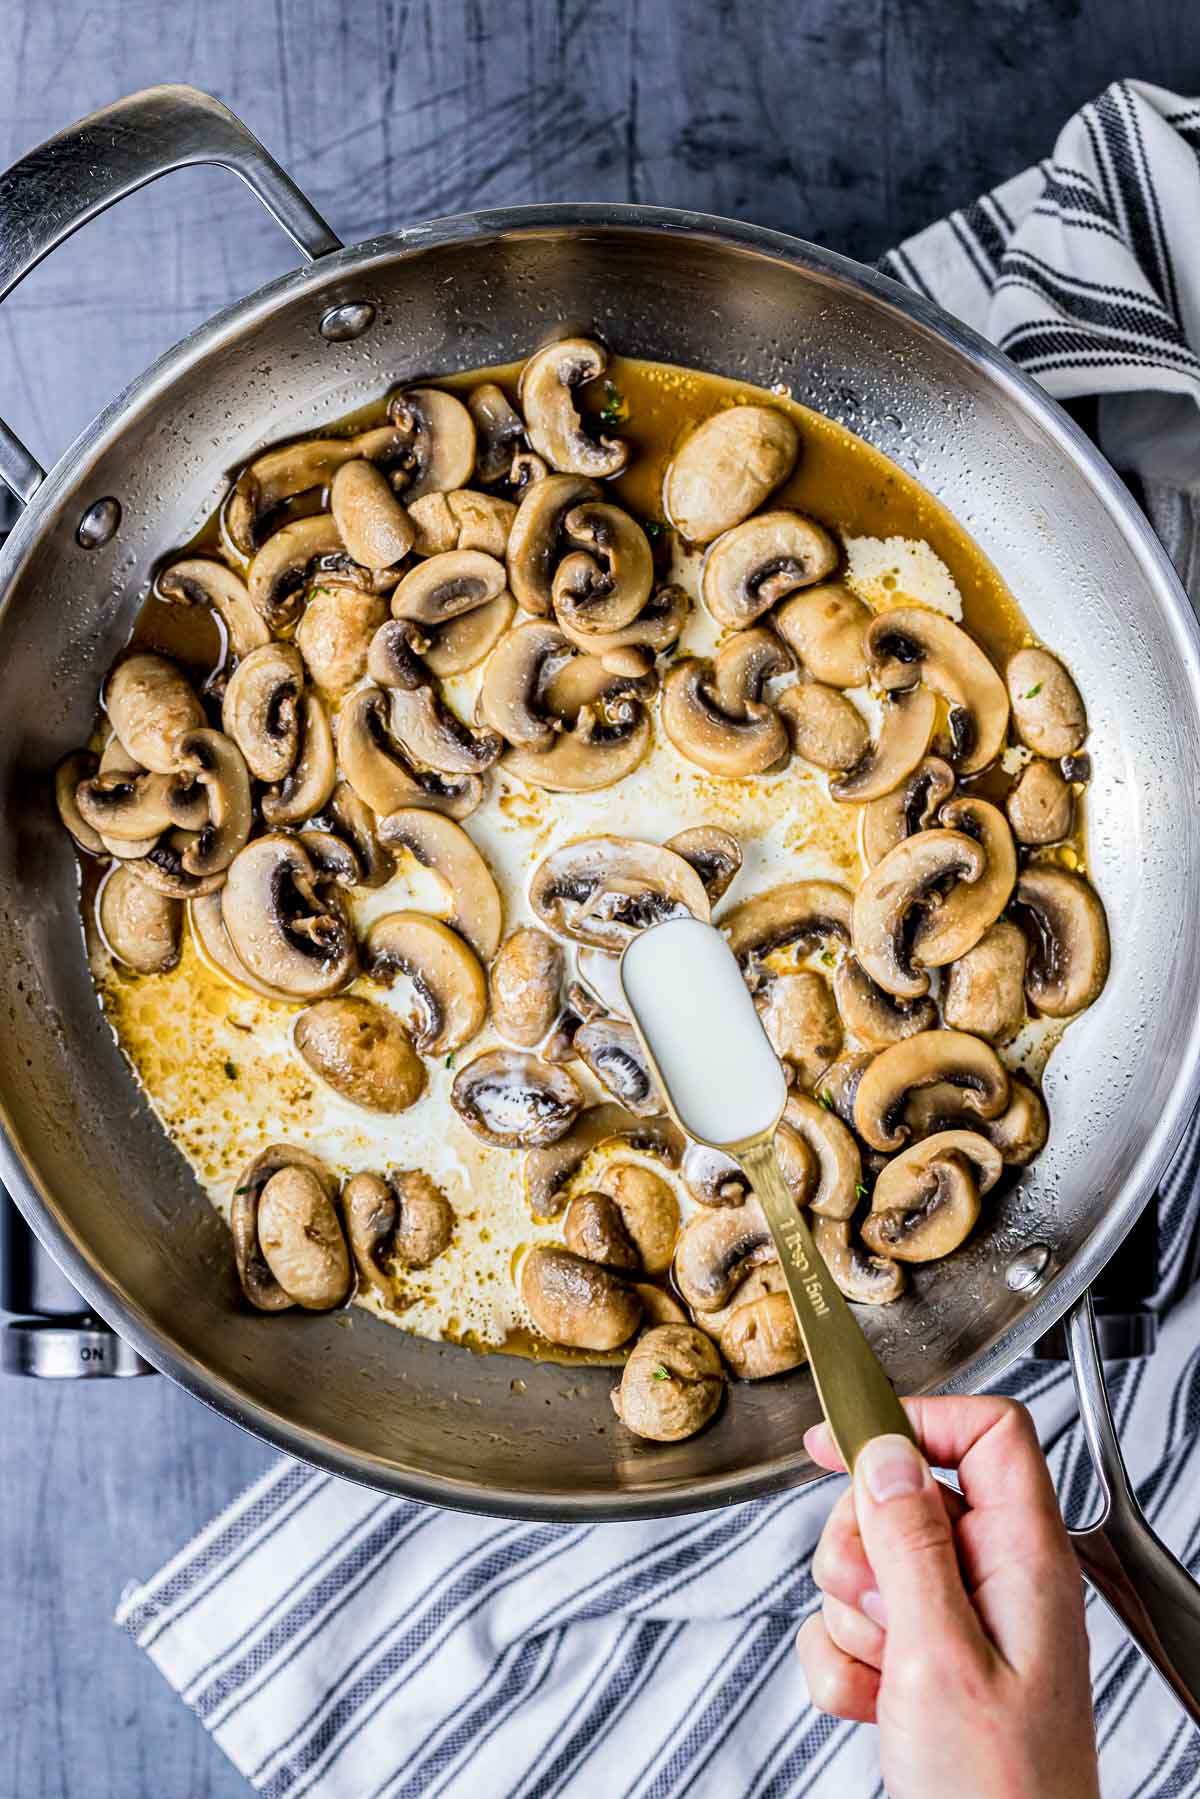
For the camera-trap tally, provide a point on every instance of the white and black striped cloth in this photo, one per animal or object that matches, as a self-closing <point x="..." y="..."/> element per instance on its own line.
<point x="343" y="1644"/>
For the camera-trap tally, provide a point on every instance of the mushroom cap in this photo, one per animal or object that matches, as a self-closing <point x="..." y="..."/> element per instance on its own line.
<point x="807" y="912"/>
<point x="514" y="1100"/>
<point x="762" y="1337"/>
<point x="726" y="468"/>
<point x="802" y="1021"/>
<point x="612" y="1049"/>
<point x="904" y="734"/>
<point x="648" y="1210"/>
<point x="260" y="709"/>
<point x="952" y="1057"/>
<point x="534" y="540"/>
<point x="604" y="579"/>
<point x="714" y="853"/>
<point x="907" y="809"/>
<point x="403" y="1217"/>
<point x="448" y="981"/>
<point x="1041" y="807"/>
<point x="309" y="783"/>
<point x="1047" y="709"/>
<point x="300" y="1239"/>
<point x="334" y="635"/>
<point x="658" y="1307"/>
<point x="1069" y="947"/>
<point x="716" y="1248"/>
<point x="887" y="914"/>
<point x="672" y="1384"/>
<point x="826" y="728"/>
<point x="440" y="448"/>
<point x="150" y="707"/>
<point x="602" y="890"/>
<point x="871" y="1014"/>
<point x="140" y="926"/>
<point x="549" y="1171"/>
<point x="912" y="643"/>
<point x="985" y="987"/>
<point x="825" y="628"/>
<point x="926" y="1199"/>
<point x="593" y="1228"/>
<point x="443" y="847"/>
<point x="259" y="1284"/>
<point x="295" y="941"/>
<point x="526" y="981"/>
<point x="839" y="1164"/>
<point x="863" y="1278"/>
<point x="374" y="527"/>
<point x="553" y="424"/>
<point x="203" y="581"/>
<point x="758" y="563"/>
<point x="577" y="1303"/>
<point x="362" y="1051"/>
<point x="463" y="520"/>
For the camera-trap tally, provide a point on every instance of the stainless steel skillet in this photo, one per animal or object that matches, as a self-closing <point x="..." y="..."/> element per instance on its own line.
<point x="84" y="1157"/>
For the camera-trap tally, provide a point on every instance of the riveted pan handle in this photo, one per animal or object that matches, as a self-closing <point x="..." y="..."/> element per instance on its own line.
<point x="72" y="177"/>
<point x="1150" y="1591"/>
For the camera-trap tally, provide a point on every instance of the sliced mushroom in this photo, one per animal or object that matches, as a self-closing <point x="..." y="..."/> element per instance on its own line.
<point x="840" y="1081"/>
<point x="1069" y="950"/>
<point x="576" y="1303"/>
<point x="333" y="858"/>
<point x="839" y="1164"/>
<point x="439" y="453"/>
<point x="805" y="912"/>
<point x="648" y="1210"/>
<point x="713" y="1179"/>
<point x="442" y="587"/>
<point x="907" y="809"/>
<point x="287" y="935"/>
<point x="714" y="713"/>
<point x="515" y="1100"/>
<point x="448" y="981"/>
<point x="300" y="1239"/>
<point x="1021" y="1130"/>
<point x="379" y="772"/>
<point x="1047" y="710"/>
<point x="716" y="1249"/>
<point x="443" y="847"/>
<point x="260" y="709"/>
<point x="137" y="807"/>
<point x="797" y="1163"/>
<point x="866" y="1279"/>
<point x="498" y="430"/>
<point x="510" y="695"/>
<point x="579" y="683"/>
<point x="593" y="1228"/>
<point x="606" y="743"/>
<point x="463" y="520"/>
<point x="550" y="1171"/>
<point x="1040" y="807"/>
<point x="926" y="1200"/>
<point x="714" y="853"/>
<point x="259" y="1283"/>
<point x="602" y="890"/>
<point x="600" y="978"/>
<point x="375" y="530"/>
<point x="216" y="947"/>
<point x="947" y="930"/>
<point x="533" y="541"/>
<point x="526" y="982"/>
<point x="605" y="576"/>
<point x="952" y="1057"/>
<point x="163" y="867"/>
<point x="464" y="642"/>
<point x="672" y="1384"/>
<point x="433" y="737"/>
<point x="555" y="428"/>
<point x="768" y="1277"/>
<point x="756" y="564"/>
<point x="985" y="987"/>
<point x="307" y="787"/>
<point x="826" y="729"/>
<point x="802" y="1022"/>
<point x="871" y="1014"/>
<point x="216" y="764"/>
<point x="293" y="469"/>
<point x="402" y="1217"/>
<point x="724" y="471"/>
<point x="354" y="820"/>
<point x="334" y="636"/>
<point x="631" y="651"/>
<point x="140" y="927"/>
<point x="904" y="733"/>
<point x="150" y="707"/>
<point x="203" y="581"/>
<point x="362" y="1051"/>
<point x="525" y="469"/>
<point x="613" y="1051"/>
<point x="762" y="1338"/>
<point x="889" y="905"/>
<point x="74" y="769"/>
<point x="911" y="644"/>
<point x="283" y="570"/>
<point x="825" y="628"/>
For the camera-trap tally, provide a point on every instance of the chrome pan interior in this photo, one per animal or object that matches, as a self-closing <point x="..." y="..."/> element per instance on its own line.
<point x="87" y="1161"/>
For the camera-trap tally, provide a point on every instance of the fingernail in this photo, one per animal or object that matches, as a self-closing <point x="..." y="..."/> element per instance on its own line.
<point x="891" y="1468"/>
<point x="871" y="1606"/>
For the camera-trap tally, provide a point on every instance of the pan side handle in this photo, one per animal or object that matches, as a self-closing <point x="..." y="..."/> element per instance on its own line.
<point x="82" y="171"/>
<point x="1150" y="1591"/>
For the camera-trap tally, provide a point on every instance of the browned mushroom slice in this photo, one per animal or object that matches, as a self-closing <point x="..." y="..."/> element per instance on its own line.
<point x="726" y="468"/>
<point x="1041" y="807"/>
<point x="926" y="1199"/>
<point x="511" y="694"/>
<point x="534" y="541"/>
<point x="354" y="820"/>
<point x="216" y="764"/>
<point x="1047" y="710"/>
<point x="447" y="978"/>
<point x="758" y="563"/>
<point x="550" y="1171"/>
<point x="713" y="1179"/>
<point x="904" y="734"/>
<point x="79" y="766"/>
<point x="1069" y="950"/>
<point x="1021" y="1130"/>
<point x="579" y="683"/>
<point x="466" y="641"/>
<point x="293" y="469"/>
<point x="308" y="785"/>
<point x="576" y="1303"/>
<point x="163" y="867"/>
<point x="203" y="581"/>
<point x="951" y="1057"/>
<point x="433" y="737"/>
<point x="839" y="1082"/>
<point x="285" y="933"/>
<point x="439" y="452"/>
<point x="381" y="774"/>
<point x="515" y="1100"/>
<point x="216" y="948"/>
<point x="911" y="644"/>
<point x="526" y="982"/>
<point x="907" y="809"/>
<point x="498" y="430"/>
<point x="606" y="743"/>
<point x="839" y="1165"/>
<point x="714" y="713"/>
<point x="612" y="1050"/>
<point x="631" y="651"/>
<point x="871" y="1014"/>
<point x="555" y="429"/>
<point x="671" y="1386"/>
<point x="890" y="904"/>
<point x="375" y="530"/>
<point x="136" y="807"/>
<point x="282" y="571"/>
<point x="604" y="578"/>
<point x="260" y="709"/>
<point x="714" y="853"/>
<point x="802" y="1022"/>
<point x="140" y="927"/>
<point x="398" y="1218"/>
<point x="826" y="728"/>
<point x="334" y="636"/>
<point x="362" y="1051"/>
<point x="296" y="1255"/>
<point x="443" y="847"/>
<point x="442" y="587"/>
<point x="806" y="912"/>
<point x="150" y="706"/>
<point x="601" y="890"/>
<point x="948" y="930"/>
<point x="866" y="1279"/>
<point x="985" y="988"/>
<point x="825" y="628"/>
<point x="716" y="1249"/>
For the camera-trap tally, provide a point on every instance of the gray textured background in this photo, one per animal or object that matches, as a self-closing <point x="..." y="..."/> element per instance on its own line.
<point x="850" y="121"/>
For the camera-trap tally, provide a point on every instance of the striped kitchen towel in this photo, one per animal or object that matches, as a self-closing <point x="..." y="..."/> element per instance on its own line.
<point x="352" y="1646"/>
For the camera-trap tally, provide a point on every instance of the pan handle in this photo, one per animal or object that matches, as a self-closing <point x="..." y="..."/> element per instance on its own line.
<point x="82" y="171"/>
<point x="1151" y="1592"/>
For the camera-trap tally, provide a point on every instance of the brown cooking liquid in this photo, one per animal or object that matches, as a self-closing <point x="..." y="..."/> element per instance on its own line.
<point x="843" y="482"/>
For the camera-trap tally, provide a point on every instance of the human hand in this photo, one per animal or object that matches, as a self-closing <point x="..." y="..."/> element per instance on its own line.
<point x="955" y="1624"/>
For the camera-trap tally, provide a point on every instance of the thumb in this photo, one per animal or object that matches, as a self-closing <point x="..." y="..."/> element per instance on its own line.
<point x="906" y="1533"/>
